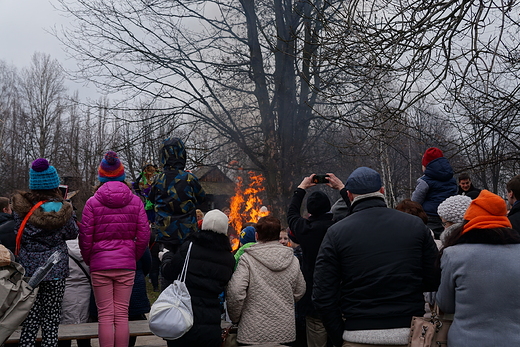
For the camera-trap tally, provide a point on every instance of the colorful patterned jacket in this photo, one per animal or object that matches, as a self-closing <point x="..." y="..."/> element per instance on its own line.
<point x="175" y="194"/>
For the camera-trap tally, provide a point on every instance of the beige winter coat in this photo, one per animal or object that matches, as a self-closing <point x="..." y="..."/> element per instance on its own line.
<point x="262" y="293"/>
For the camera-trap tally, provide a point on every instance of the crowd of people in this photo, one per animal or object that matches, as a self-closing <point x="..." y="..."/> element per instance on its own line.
<point x="350" y="274"/>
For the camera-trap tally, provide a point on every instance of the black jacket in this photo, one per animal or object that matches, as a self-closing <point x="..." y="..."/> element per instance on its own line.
<point x="7" y="231"/>
<point x="514" y="216"/>
<point x="372" y="269"/>
<point x="309" y="233"/>
<point x="209" y="270"/>
<point x="472" y="192"/>
<point x="139" y="303"/>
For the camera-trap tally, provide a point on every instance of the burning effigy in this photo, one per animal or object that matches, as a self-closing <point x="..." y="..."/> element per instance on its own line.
<point x="246" y="205"/>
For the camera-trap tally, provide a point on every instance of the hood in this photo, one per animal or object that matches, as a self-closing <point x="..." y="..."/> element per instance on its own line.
<point x="272" y="255"/>
<point x="39" y="218"/>
<point x="172" y="154"/>
<point x="439" y="169"/>
<point x="114" y="194"/>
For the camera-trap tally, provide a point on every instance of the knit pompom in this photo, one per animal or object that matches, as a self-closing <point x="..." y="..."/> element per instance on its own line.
<point x="111" y="168"/>
<point x="111" y="157"/>
<point x="40" y="165"/>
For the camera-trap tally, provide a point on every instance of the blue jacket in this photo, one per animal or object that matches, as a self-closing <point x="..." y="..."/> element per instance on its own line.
<point x="436" y="185"/>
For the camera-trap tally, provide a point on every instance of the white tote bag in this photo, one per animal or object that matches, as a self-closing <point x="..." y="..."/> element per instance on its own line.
<point x="171" y="315"/>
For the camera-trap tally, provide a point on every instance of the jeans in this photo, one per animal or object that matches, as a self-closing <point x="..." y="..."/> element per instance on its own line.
<point x="112" y="290"/>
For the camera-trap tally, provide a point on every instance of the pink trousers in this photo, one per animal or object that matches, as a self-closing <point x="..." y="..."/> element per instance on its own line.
<point x="112" y="290"/>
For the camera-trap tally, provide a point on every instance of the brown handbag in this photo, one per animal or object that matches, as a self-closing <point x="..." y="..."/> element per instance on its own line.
<point x="429" y="332"/>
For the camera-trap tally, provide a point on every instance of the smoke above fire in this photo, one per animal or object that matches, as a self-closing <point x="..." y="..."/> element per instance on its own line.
<point x="246" y="205"/>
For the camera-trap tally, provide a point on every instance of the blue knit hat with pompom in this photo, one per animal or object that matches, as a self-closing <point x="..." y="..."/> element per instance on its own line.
<point x="43" y="176"/>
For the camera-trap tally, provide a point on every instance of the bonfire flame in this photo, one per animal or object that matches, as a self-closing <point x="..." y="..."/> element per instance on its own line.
<point x="246" y="205"/>
<point x="235" y="242"/>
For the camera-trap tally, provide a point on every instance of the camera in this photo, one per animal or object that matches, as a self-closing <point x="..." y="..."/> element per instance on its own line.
<point x="320" y="179"/>
<point x="64" y="190"/>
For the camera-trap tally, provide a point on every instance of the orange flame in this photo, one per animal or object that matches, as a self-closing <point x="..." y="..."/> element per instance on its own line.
<point x="235" y="241"/>
<point x="246" y="204"/>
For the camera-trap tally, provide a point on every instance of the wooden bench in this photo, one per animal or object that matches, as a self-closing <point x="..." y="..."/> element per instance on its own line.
<point x="90" y="331"/>
<point x="87" y="331"/>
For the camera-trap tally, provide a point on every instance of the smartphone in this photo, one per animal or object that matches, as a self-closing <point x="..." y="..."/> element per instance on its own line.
<point x="320" y="179"/>
<point x="64" y="190"/>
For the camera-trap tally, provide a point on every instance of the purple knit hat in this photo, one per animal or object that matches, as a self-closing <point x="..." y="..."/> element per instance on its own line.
<point x="42" y="176"/>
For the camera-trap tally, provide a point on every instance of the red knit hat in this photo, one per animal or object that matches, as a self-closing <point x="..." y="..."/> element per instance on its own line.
<point x="487" y="211"/>
<point x="431" y="154"/>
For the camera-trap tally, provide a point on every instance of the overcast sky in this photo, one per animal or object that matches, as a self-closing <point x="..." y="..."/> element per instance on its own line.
<point x="24" y="26"/>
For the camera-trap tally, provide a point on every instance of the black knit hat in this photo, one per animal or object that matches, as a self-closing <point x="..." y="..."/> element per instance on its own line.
<point x="318" y="203"/>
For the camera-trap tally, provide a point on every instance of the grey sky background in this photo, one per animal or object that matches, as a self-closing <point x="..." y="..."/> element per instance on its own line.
<point x="25" y="27"/>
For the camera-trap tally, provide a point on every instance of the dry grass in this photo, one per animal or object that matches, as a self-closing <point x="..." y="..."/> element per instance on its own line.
<point x="152" y="296"/>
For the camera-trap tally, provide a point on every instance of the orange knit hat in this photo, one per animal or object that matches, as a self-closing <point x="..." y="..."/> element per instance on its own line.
<point x="487" y="211"/>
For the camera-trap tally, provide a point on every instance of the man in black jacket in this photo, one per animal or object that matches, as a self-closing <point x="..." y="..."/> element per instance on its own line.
<point x="7" y="225"/>
<point x="372" y="269"/>
<point x="513" y="195"/>
<point x="466" y="187"/>
<point x="308" y="233"/>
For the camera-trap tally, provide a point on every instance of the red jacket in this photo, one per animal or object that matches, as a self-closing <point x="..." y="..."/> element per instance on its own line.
<point x="114" y="232"/>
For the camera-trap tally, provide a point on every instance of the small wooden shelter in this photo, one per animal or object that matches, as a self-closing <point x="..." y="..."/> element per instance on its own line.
<point x="218" y="187"/>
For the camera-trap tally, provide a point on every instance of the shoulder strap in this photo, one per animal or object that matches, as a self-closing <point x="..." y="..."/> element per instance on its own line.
<point x="80" y="266"/>
<point x="24" y="222"/>
<point x="182" y="276"/>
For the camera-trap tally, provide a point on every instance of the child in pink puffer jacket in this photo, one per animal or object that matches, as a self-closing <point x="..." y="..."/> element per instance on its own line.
<point x="113" y="235"/>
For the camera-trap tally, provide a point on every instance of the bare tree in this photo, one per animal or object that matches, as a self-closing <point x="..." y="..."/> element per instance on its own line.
<point x="243" y="68"/>
<point x="43" y="91"/>
<point x="12" y="145"/>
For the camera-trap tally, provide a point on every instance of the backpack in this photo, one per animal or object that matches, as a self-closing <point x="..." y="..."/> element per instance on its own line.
<point x="171" y="315"/>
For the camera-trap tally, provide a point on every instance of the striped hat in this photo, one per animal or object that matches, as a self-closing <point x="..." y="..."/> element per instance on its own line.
<point x="42" y="176"/>
<point x="111" y="168"/>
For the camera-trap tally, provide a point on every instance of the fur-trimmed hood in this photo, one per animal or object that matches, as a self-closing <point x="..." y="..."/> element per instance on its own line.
<point x="40" y="219"/>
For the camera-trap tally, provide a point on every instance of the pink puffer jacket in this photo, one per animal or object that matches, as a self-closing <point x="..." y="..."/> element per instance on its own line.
<point x="114" y="232"/>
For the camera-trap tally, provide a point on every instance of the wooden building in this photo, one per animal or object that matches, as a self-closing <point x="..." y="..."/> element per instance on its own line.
<point x="218" y="187"/>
